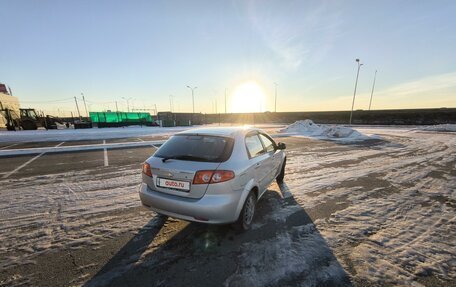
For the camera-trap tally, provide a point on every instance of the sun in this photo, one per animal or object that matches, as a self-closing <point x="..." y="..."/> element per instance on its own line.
<point x="248" y="97"/>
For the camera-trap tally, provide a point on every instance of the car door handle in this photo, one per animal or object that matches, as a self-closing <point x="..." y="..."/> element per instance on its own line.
<point x="257" y="165"/>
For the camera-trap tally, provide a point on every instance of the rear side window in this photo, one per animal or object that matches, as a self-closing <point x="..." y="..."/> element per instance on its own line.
<point x="268" y="144"/>
<point x="197" y="148"/>
<point x="254" y="145"/>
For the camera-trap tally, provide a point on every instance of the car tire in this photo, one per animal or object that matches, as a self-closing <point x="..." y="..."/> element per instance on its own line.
<point x="281" y="175"/>
<point x="245" y="219"/>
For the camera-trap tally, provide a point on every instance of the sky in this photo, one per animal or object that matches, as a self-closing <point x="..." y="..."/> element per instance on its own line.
<point x="150" y="51"/>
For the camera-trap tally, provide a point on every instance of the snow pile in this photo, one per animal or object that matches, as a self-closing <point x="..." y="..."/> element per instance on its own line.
<point x="308" y="128"/>
<point x="439" y="128"/>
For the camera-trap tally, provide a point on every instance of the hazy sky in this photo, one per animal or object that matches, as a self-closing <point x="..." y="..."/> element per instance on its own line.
<point x="148" y="50"/>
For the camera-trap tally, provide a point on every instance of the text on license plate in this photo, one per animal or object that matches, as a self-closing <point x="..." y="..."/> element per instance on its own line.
<point x="176" y="184"/>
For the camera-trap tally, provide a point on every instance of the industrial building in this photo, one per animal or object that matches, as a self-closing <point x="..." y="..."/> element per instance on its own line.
<point x="7" y="101"/>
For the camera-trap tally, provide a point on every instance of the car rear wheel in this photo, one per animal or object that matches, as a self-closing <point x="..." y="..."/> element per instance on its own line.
<point x="281" y="175"/>
<point x="245" y="219"/>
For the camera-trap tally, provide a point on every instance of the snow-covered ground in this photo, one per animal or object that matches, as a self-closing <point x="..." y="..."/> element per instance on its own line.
<point x="86" y="134"/>
<point x="101" y="133"/>
<point x="67" y="210"/>
<point x="390" y="213"/>
<point x="397" y="203"/>
<point x="439" y="128"/>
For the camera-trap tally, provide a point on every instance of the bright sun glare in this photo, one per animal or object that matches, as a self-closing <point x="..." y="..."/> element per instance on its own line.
<point x="248" y="97"/>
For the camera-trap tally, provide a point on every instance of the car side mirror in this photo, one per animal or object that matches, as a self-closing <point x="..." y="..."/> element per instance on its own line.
<point x="281" y="146"/>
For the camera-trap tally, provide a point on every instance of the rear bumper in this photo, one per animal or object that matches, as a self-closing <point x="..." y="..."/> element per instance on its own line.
<point x="211" y="208"/>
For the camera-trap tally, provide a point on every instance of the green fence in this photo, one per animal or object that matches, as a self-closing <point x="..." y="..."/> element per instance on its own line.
<point x="121" y="118"/>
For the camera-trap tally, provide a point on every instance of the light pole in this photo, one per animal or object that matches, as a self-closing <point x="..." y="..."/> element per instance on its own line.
<point x="354" y="93"/>
<point x="372" y="92"/>
<point x="225" y="100"/>
<point x="85" y="106"/>
<point x="128" y="104"/>
<point x="77" y="107"/>
<point x="193" y="97"/>
<point x="275" y="102"/>
<point x="171" y="104"/>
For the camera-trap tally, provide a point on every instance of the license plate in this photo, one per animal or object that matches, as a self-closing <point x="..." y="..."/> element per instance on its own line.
<point x="174" y="184"/>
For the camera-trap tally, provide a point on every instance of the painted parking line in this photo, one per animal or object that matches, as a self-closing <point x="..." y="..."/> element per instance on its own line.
<point x="30" y="151"/>
<point x="140" y="139"/>
<point x="25" y="164"/>
<point x="105" y="151"/>
<point x="8" y="146"/>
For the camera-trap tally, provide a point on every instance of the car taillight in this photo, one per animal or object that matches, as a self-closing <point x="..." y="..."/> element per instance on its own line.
<point x="212" y="176"/>
<point x="146" y="169"/>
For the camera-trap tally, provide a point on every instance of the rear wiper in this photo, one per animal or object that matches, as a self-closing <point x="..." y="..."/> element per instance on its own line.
<point x="184" y="157"/>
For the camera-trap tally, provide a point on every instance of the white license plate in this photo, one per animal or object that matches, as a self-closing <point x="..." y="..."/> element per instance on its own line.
<point x="174" y="184"/>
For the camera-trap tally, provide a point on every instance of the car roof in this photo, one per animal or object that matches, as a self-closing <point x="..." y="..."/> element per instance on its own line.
<point x="221" y="131"/>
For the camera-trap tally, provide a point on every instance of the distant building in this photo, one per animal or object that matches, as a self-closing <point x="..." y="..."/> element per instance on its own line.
<point x="7" y="101"/>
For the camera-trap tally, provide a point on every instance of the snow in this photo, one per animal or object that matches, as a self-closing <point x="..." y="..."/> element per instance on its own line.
<point x="68" y="210"/>
<point x="300" y="252"/>
<point x="439" y="128"/>
<point x="99" y="133"/>
<point x="393" y="217"/>
<point x="399" y="220"/>
<point x="30" y="151"/>
<point x="86" y="134"/>
<point x="308" y="128"/>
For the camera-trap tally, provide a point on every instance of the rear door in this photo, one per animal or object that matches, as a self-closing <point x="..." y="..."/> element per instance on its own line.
<point x="175" y="164"/>
<point x="175" y="177"/>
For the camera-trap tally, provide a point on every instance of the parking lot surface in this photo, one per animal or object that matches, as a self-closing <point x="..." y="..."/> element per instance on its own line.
<point x="372" y="213"/>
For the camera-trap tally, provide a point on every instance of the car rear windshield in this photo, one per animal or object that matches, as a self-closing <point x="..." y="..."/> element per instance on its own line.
<point x="197" y="148"/>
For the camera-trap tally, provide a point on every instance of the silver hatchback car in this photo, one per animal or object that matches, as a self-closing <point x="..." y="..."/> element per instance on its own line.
<point x="212" y="175"/>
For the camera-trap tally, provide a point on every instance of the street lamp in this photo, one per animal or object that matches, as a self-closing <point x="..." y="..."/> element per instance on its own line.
<point x="275" y="102"/>
<point x="193" y="97"/>
<point x="85" y="106"/>
<point x="128" y="104"/>
<point x="372" y="92"/>
<point x="354" y="93"/>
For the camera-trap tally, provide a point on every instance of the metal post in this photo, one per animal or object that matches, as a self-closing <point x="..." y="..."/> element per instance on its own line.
<point x="354" y="93"/>
<point x="193" y="102"/>
<point x="193" y="97"/>
<point x="372" y="92"/>
<point x="77" y="107"/>
<point x="170" y="103"/>
<point x="156" y="112"/>
<point x="85" y="106"/>
<point x="225" y="101"/>
<point x="128" y="103"/>
<point x="275" y="103"/>
<point x="117" y="108"/>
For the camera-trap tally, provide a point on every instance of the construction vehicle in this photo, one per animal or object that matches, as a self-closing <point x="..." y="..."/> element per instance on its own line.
<point x="28" y="119"/>
<point x="13" y="118"/>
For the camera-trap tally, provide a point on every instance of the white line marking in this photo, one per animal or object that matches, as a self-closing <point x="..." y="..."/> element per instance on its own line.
<point x="5" y="147"/>
<point x="77" y="148"/>
<point x="26" y="163"/>
<point x="105" y="151"/>
<point x="141" y="140"/>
